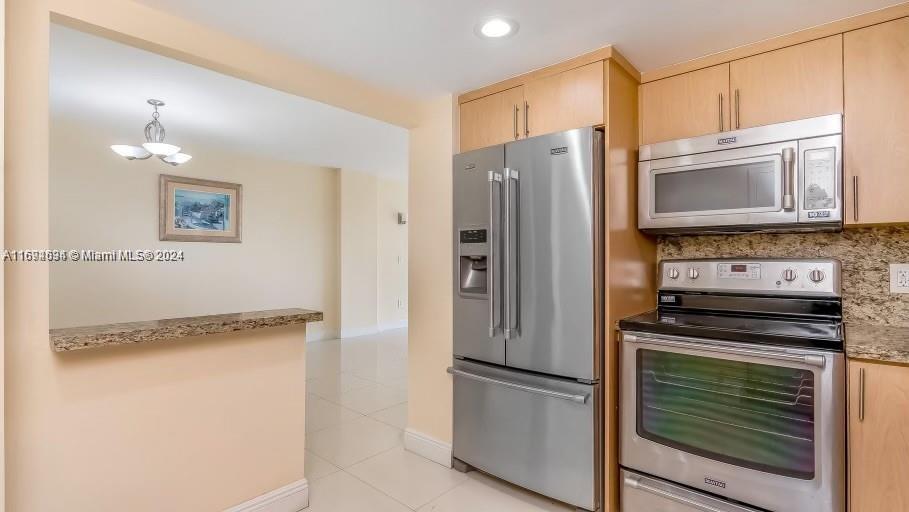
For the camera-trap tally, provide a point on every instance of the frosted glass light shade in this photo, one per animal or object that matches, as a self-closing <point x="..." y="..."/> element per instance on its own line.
<point x="161" y="149"/>
<point x="177" y="159"/>
<point x="130" y="152"/>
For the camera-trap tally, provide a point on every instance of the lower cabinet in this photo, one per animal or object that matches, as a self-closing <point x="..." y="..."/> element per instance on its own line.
<point x="878" y="437"/>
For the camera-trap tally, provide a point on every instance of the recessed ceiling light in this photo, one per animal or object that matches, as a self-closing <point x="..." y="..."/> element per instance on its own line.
<point x="495" y="28"/>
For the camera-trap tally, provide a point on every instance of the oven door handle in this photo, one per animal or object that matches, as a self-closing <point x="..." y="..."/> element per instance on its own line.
<point x="706" y="346"/>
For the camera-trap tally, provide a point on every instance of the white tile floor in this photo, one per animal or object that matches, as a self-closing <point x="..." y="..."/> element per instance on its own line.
<point x="356" y="410"/>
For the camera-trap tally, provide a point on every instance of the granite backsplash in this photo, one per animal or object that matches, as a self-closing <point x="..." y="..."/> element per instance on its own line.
<point x="866" y="254"/>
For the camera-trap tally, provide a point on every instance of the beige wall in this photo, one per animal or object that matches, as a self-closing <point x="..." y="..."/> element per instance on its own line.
<point x="2" y="287"/>
<point x="188" y="426"/>
<point x="392" y="254"/>
<point x="373" y="253"/>
<point x="430" y="276"/>
<point x="359" y="242"/>
<point x="98" y="200"/>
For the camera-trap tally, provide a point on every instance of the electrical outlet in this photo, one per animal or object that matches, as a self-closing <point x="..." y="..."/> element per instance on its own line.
<point x="899" y="278"/>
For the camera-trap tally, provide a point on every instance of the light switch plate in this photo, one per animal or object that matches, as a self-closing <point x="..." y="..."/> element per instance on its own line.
<point x="899" y="278"/>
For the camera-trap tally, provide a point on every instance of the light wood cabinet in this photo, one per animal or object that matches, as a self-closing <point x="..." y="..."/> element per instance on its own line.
<point x="876" y="145"/>
<point x="493" y="119"/>
<point x="878" y="437"/>
<point x="686" y="105"/>
<point x="798" y="82"/>
<point x="567" y="100"/>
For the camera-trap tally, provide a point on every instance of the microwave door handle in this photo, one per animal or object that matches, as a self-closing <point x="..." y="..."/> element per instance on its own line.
<point x="788" y="179"/>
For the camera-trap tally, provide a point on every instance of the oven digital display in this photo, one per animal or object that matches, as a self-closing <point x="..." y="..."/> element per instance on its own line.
<point x="738" y="270"/>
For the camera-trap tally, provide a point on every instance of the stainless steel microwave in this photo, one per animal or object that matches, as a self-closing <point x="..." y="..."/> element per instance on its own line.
<point x="778" y="178"/>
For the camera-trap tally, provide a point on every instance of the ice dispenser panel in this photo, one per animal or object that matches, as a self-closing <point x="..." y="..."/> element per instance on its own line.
<point x="473" y="249"/>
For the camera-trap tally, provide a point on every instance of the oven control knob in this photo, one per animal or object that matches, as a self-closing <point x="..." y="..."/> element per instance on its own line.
<point x="790" y="275"/>
<point x="693" y="273"/>
<point x="673" y="273"/>
<point x="816" y="275"/>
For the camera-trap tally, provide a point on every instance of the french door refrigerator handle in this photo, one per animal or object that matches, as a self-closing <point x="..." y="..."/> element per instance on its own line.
<point x="495" y="306"/>
<point x="636" y="483"/>
<point x="579" y="399"/>
<point x="510" y="267"/>
<point x="706" y="346"/>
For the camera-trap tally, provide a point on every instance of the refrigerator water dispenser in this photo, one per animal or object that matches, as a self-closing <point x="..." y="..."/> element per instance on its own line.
<point x="473" y="249"/>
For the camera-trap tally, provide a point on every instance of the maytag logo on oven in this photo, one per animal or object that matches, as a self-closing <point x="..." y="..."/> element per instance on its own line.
<point x="726" y="140"/>
<point x="717" y="483"/>
<point x="558" y="151"/>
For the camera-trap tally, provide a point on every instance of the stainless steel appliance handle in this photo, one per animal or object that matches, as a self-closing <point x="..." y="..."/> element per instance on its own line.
<point x="579" y="399"/>
<point x="855" y="198"/>
<point x="526" y="119"/>
<point x="738" y="123"/>
<point x="788" y="179"/>
<point x="707" y="346"/>
<point x="721" y="111"/>
<point x="636" y="483"/>
<point x="517" y="134"/>
<point x="494" y="291"/>
<point x="861" y="391"/>
<point x="510" y="267"/>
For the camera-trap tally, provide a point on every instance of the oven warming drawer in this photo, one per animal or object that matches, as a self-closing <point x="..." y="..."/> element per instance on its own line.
<point x="646" y="494"/>
<point x="538" y="432"/>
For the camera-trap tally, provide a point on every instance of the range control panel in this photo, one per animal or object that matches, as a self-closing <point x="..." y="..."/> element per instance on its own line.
<point x="757" y="276"/>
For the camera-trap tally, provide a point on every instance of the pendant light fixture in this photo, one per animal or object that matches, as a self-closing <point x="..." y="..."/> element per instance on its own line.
<point x="154" y="143"/>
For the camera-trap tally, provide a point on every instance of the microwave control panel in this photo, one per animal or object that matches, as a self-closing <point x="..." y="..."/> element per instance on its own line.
<point x="820" y="179"/>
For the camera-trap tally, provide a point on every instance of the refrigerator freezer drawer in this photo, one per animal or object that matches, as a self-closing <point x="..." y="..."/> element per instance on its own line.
<point x="537" y="432"/>
<point x="644" y="493"/>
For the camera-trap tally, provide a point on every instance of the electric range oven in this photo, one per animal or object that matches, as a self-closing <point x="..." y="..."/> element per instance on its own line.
<point x="733" y="390"/>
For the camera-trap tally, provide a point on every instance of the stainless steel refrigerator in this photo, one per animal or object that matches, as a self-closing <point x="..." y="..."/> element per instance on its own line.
<point x="528" y="313"/>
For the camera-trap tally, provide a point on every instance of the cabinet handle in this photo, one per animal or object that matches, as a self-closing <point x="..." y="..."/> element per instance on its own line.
<point x="721" y="111"/>
<point x="855" y="198"/>
<point x="516" y="133"/>
<point x="526" y="119"/>
<point x="861" y="398"/>
<point x="737" y="121"/>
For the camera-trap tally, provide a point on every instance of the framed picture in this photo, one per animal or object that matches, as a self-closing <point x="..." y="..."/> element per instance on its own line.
<point x="194" y="210"/>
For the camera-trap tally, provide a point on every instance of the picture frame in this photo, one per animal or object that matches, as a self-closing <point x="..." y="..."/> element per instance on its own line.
<point x="197" y="210"/>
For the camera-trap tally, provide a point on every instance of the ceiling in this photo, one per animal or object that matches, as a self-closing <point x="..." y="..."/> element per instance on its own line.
<point x="101" y="82"/>
<point x="427" y="47"/>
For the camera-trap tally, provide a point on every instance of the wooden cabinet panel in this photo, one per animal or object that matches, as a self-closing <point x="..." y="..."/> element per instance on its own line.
<point x="687" y="105"/>
<point x="801" y="81"/>
<point x="491" y="120"/>
<point x="571" y="99"/>
<point x="879" y="441"/>
<point x="876" y="139"/>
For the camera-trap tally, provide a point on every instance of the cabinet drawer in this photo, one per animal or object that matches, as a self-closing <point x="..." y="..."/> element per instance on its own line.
<point x="537" y="432"/>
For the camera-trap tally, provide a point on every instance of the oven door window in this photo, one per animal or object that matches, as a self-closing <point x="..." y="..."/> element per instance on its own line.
<point x="751" y="415"/>
<point x="740" y="186"/>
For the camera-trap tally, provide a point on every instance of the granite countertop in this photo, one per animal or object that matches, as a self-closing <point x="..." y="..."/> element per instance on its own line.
<point x="877" y="343"/>
<point x="78" y="338"/>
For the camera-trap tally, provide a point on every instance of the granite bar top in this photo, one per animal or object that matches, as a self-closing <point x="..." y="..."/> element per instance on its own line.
<point x="877" y="343"/>
<point x="93" y="336"/>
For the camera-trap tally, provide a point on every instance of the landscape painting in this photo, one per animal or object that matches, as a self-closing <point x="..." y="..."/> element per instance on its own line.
<point x="201" y="210"/>
<point x="197" y="210"/>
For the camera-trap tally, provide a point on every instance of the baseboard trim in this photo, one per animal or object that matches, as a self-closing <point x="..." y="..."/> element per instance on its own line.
<point x="293" y="497"/>
<point x="400" y="324"/>
<point x="353" y="332"/>
<point x="427" y="447"/>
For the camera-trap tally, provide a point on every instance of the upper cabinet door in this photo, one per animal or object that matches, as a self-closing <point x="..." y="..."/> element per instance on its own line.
<point x="686" y="105"/>
<point x="801" y="81"/>
<point x="572" y="99"/>
<point x="877" y="125"/>
<point x="493" y="119"/>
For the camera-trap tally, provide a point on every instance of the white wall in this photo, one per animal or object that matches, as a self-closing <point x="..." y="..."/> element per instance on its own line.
<point x="98" y="200"/>
<point x="373" y="254"/>
<point x="392" y="254"/>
